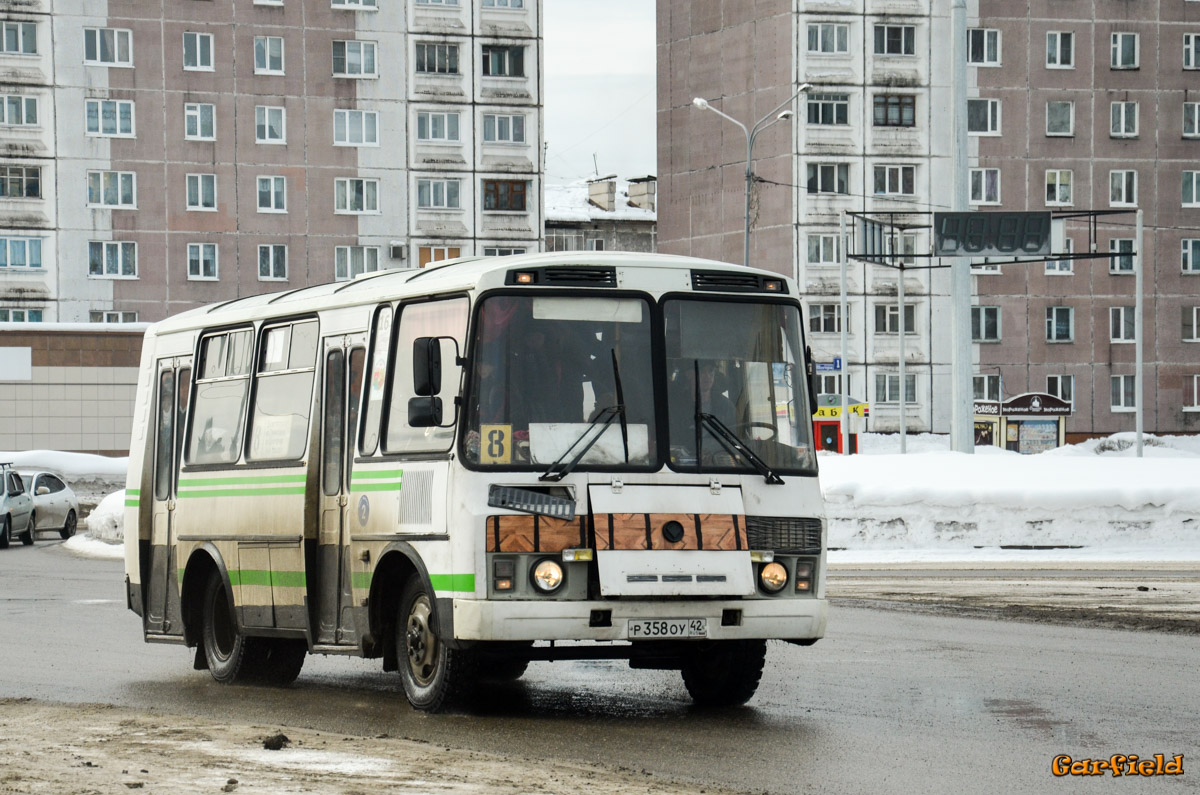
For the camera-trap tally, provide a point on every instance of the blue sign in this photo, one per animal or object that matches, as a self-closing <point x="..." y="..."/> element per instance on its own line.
<point x="823" y="367"/>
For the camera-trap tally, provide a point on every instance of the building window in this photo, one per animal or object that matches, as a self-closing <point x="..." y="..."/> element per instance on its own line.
<point x="1191" y="389"/>
<point x="895" y="180"/>
<point x="354" y="196"/>
<point x="1060" y="324"/>
<point x="828" y="178"/>
<point x="18" y="111"/>
<point x="499" y="3"/>
<point x="20" y="252"/>
<point x="20" y="38"/>
<point x="428" y="254"/>
<point x="987" y="387"/>
<point x="830" y="384"/>
<point x="109" y="118"/>
<point x="1191" y="51"/>
<point x="8" y="315"/>
<point x="503" y="61"/>
<point x="439" y="2"/>
<point x="1191" y="188"/>
<point x="1191" y="120"/>
<point x="199" y="121"/>
<point x="202" y="192"/>
<point x="198" y="51"/>
<point x="20" y="182"/>
<point x="112" y="317"/>
<point x="1120" y="324"/>
<point x="272" y="195"/>
<point x="902" y="247"/>
<point x="1124" y="117"/>
<point x="1062" y="267"/>
<point x="1062" y="387"/>
<point x="1191" y="323"/>
<point x="350" y="261"/>
<point x="1124" y="51"/>
<point x="503" y="128"/>
<point x="825" y="318"/>
<point x="1124" y="393"/>
<point x="504" y="195"/>
<point x="501" y="251"/>
<point x="354" y="59"/>
<point x="983" y="116"/>
<point x="828" y="109"/>
<point x="895" y="40"/>
<point x="824" y="249"/>
<point x="112" y="189"/>
<point x="1060" y="49"/>
<point x="985" y="185"/>
<point x="1060" y="118"/>
<point x="1123" y="262"/>
<point x="895" y="110"/>
<point x="985" y="324"/>
<point x="268" y="55"/>
<point x="827" y="38"/>
<point x="560" y="240"/>
<point x="594" y="244"/>
<point x="1058" y="187"/>
<point x="983" y="47"/>
<point x="106" y="47"/>
<point x="112" y="259"/>
<point x="355" y="128"/>
<point x="270" y="125"/>
<point x="272" y="263"/>
<point x="887" y="388"/>
<point x="1122" y="188"/>
<point x="437" y="127"/>
<point x="1191" y="255"/>
<point x="202" y="261"/>
<point x="437" y="59"/>
<point x="355" y="5"/>
<point x="887" y="319"/>
<point x="438" y="194"/>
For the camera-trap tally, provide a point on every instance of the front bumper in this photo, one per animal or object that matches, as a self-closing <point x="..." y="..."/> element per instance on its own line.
<point x="783" y="619"/>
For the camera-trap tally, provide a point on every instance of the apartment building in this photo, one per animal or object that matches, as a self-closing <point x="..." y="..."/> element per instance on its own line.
<point x="1073" y="106"/>
<point x="602" y="214"/>
<point x="189" y="151"/>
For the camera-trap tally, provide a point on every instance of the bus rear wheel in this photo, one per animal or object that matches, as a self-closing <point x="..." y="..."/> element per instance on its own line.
<point x="231" y="656"/>
<point x="725" y="673"/>
<point x="434" y="676"/>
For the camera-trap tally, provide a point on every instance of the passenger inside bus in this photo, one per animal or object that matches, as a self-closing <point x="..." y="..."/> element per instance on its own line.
<point x="715" y="391"/>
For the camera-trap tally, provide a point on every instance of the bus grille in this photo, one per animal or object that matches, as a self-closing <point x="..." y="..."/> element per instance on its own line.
<point x="785" y="534"/>
<point x="594" y="277"/>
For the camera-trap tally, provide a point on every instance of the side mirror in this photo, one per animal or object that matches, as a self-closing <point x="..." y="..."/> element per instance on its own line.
<point x="425" y="412"/>
<point x="42" y="490"/>
<point x="427" y="366"/>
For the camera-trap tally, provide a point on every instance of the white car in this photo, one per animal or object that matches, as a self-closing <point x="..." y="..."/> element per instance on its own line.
<point x="16" y="508"/>
<point x="55" y="506"/>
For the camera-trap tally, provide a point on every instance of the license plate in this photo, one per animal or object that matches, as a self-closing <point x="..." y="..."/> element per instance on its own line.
<point x="659" y="628"/>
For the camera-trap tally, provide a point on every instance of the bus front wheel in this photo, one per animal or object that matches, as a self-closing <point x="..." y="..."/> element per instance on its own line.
<point x="725" y="673"/>
<point x="231" y="655"/>
<point x="433" y="675"/>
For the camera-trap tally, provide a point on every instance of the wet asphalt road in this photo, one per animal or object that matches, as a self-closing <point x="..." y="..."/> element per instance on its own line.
<point x="888" y="702"/>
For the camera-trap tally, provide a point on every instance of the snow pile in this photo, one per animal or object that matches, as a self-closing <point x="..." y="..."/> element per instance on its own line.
<point x="107" y="521"/>
<point x="87" y="547"/>
<point x="72" y="466"/>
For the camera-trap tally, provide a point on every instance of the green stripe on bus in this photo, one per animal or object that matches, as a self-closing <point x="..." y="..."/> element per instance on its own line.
<point x="357" y="487"/>
<point x="361" y="579"/>
<point x="284" y="579"/>
<point x="132" y="492"/>
<point x="134" y="503"/>
<point x="453" y="582"/>
<point x="271" y="492"/>
<point x="376" y="474"/>
<point x="242" y="480"/>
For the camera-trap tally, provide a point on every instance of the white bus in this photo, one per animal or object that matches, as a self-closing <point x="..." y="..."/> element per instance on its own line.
<point x="456" y="469"/>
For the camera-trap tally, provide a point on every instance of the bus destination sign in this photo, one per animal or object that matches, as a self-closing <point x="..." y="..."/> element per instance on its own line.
<point x="991" y="234"/>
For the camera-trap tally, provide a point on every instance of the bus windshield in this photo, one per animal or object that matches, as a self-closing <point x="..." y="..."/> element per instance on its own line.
<point x="545" y="367"/>
<point x="748" y="361"/>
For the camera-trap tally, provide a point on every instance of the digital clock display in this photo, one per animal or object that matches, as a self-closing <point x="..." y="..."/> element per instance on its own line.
<point x="991" y="234"/>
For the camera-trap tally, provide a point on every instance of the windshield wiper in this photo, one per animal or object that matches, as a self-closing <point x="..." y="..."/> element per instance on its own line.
<point x="558" y="470"/>
<point x="728" y="439"/>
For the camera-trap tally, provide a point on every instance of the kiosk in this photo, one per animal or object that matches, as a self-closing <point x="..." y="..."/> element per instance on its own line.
<point x="1030" y="423"/>
<point x="827" y="422"/>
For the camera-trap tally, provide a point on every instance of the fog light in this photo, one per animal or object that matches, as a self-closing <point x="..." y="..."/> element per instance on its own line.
<point x="773" y="577"/>
<point x="804" y="572"/>
<point x="502" y="573"/>
<point x="547" y="576"/>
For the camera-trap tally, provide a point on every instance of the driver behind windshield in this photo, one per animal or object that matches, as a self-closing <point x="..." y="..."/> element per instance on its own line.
<point x="715" y="399"/>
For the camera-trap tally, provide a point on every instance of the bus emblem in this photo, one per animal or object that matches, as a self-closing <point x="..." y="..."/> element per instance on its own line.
<point x="364" y="510"/>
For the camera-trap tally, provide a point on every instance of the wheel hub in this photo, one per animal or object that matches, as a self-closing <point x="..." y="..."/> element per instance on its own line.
<point x="420" y="642"/>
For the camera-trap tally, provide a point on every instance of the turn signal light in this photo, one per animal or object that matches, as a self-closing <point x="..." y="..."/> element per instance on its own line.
<point x="524" y="278"/>
<point x="804" y="573"/>
<point x="772" y="285"/>
<point x="502" y="575"/>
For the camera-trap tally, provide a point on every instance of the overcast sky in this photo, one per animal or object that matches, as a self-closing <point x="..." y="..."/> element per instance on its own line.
<point x="599" y="73"/>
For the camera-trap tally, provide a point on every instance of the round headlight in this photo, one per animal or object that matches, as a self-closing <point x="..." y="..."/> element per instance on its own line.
<point x="548" y="575"/>
<point x="773" y="577"/>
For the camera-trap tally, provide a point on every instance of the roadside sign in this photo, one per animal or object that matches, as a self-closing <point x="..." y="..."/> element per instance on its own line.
<point x="827" y="367"/>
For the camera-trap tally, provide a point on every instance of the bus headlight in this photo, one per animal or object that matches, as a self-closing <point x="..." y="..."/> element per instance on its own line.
<point x="547" y="575"/>
<point x="773" y="577"/>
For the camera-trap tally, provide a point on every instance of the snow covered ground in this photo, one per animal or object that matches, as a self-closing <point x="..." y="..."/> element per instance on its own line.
<point x="1089" y="503"/>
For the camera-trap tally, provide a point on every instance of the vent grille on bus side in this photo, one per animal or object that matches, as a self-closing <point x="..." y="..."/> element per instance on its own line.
<point x="733" y="282"/>
<point x="416" y="498"/>
<point x="598" y="277"/>
<point x="784" y="534"/>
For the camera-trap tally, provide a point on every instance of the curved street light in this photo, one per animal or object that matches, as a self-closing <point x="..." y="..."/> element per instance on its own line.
<point x="776" y="115"/>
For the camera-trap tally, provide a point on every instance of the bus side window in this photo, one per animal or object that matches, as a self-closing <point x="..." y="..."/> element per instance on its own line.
<point x="379" y="360"/>
<point x="283" y="392"/>
<point x="447" y="318"/>
<point x="215" y="433"/>
<point x="358" y="358"/>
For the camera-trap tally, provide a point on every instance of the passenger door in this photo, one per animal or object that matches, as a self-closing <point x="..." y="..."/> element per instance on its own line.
<point x="343" y="361"/>
<point x="171" y="399"/>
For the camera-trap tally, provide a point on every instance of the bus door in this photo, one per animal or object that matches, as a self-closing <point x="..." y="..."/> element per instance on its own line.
<point x="344" y="359"/>
<point x="162" y="596"/>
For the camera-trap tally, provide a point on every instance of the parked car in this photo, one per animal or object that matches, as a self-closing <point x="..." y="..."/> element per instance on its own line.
<point x="16" y="508"/>
<point x="55" y="505"/>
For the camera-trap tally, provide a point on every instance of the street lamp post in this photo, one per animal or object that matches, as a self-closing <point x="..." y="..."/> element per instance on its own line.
<point x="752" y="133"/>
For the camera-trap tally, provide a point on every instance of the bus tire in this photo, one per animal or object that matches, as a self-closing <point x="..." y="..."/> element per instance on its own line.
<point x="5" y="532"/>
<point x="281" y="660"/>
<point x="232" y="657"/>
<point x="27" y="536"/>
<point x="434" y="676"/>
<point x="725" y="673"/>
